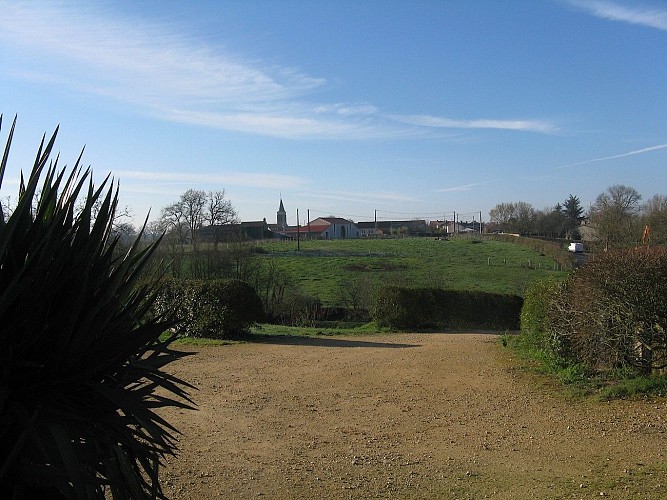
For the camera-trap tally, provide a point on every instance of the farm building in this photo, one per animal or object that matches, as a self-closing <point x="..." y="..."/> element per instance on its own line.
<point x="322" y="228"/>
<point x="253" y="230"/>
<point x="334" y="228"/>
<point x="416" y="227"/>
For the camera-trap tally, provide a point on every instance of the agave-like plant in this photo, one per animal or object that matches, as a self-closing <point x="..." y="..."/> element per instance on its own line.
<point x="80" y="355"/>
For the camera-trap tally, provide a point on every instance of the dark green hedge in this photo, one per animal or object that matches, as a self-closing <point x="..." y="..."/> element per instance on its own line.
<point x="535" y="314"/>
<point x="212" y="308"/>
<point x="432" y="308"/>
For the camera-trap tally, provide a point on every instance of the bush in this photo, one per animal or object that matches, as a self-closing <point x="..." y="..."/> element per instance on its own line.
<point x="81" y="361"/>
<point x="405" y="308"/>
<point x="428" y="308"/>
<point x="218" y="309"/>
<point x="612" y="312"/>
<point x="534" y="324"/>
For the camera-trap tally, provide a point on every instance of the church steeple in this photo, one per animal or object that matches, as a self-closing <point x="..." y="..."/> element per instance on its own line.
<point x="281" y="218"/>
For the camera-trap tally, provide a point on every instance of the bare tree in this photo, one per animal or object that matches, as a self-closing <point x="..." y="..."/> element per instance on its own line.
<point x="219" y="211"/>
<point x="173" y="223"/>
<point x="518" y="216"/>
<point x="549" y="221"/>
<point x="614" y="215"/>
<point x="503" y="214"/>
<point x="195" y="209"/>
<point x="5" y="207"/>
<point x="654" y="214"/>
<point x="525" y="216"/>
<point x="193" y="203"/>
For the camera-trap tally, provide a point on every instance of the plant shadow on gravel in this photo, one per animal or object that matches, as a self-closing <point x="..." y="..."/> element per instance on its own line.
<point x="308" y="341"/>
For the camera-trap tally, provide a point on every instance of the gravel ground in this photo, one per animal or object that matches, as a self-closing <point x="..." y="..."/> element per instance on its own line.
<point x="401" y="416"/>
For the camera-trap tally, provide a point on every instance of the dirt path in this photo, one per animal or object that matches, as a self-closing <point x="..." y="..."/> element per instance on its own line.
<point x="402" y="416"/>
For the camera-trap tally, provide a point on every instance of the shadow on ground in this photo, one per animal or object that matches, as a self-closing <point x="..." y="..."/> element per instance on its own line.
<point x="323" y="342"/>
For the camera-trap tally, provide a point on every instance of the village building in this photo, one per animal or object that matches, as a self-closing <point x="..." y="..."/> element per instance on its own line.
<point x="252" y="230"/>
<point x="415" y="227"/>
<point x="334" y="228"/>
<point x="331" y="228"/>
<point x="452" y="227"/>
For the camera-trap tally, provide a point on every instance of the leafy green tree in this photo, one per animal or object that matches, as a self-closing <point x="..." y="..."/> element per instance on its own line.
<point x="81" y="361"/>
<point x="573" y="214"/>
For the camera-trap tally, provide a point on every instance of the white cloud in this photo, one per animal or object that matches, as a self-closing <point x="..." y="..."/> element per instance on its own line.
<point x="457" y="189"/>
<point x="635" y="14"/>
<point x="622" y="155"/>
<point x="140" y="62"/>
<point x="255" y="180"/>
<point x="348" y="109"/>
<point x="161" y="72"/>
<point x="167" y="75"/>
<point x="438" y="122"/>
<point x="277" y="124"/>
<point x="361" y="197"/>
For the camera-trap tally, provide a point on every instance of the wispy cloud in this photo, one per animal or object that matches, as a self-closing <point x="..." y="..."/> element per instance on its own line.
<point x="438" y="122"/>
<point x="165" y="74"/>
<point x="362" y="197"/>
<point x="651" y="17"/>
<point x="457" y="189"/>
<point x="160" y="71"/>
<point x="614" y="157"/>
<point x="255" y="180"/>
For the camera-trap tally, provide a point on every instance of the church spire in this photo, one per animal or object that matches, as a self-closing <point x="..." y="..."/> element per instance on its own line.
<point x="281" y="217"/>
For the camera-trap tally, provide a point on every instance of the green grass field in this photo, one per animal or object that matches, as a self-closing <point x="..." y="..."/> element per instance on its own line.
<point x="325" y="268"/>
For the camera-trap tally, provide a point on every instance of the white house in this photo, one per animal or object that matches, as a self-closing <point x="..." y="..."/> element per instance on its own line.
<point x="334" y="228"/>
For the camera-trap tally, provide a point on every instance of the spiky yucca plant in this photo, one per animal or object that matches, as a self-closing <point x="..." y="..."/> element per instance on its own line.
<point x="80" y="360"/>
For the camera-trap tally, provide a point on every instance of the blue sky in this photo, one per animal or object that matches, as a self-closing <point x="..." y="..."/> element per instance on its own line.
<point x="408" y="108"/>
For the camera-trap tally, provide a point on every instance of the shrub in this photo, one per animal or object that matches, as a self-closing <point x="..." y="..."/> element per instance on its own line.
<point x="81" y="362"/>
<point x="427" y="308"/>
<point x="405" y="308"/>
<point x="213" y="308"/>
<point x="534" y="320"/>
<point x="613" y="311"/>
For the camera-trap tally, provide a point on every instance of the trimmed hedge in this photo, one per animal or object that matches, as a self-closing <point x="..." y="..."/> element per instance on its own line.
<point x="430" y="308"/>
<point x="216" y="309"/>
<point x="535" y="313"/>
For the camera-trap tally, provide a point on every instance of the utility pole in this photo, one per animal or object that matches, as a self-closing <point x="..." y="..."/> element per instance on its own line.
<point x="376" y="223"/>
<point x="480" y="222"/>
<point x="308" y="222"/>
<point x="298" y="235"/>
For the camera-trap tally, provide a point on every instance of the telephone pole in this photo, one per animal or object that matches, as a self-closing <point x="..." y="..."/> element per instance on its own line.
<point x="298" y="232"/>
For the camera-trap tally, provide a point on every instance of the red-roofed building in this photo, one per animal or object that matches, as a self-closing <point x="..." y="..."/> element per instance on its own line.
<point x="323" y="228"/>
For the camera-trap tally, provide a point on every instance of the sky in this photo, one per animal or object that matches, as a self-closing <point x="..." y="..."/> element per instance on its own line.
<point x="381" y="108"/>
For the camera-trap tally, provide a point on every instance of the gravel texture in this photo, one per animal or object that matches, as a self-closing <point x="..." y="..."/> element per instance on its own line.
<point x="401" y="416"/>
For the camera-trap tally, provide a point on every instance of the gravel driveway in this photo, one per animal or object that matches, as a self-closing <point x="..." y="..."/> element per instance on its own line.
<point x="401" y="416"/>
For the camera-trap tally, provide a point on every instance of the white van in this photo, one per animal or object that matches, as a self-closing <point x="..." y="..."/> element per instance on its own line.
<point x="576" y="247"/>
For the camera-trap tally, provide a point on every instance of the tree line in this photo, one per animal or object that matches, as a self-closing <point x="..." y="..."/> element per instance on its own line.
<point x="617" y="219"/>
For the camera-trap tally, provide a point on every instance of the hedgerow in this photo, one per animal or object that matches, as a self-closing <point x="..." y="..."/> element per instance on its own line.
<point x="218" y="309"/>
<point x="430" y="308"/>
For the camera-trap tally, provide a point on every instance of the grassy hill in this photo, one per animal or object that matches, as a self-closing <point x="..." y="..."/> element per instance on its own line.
<point x="327" y="269"/>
